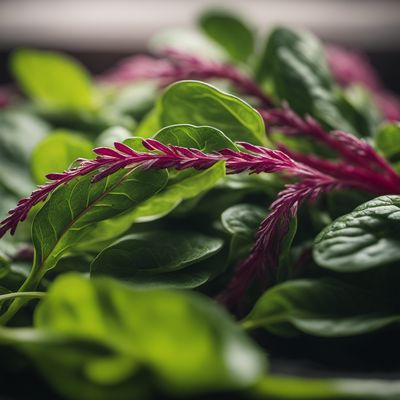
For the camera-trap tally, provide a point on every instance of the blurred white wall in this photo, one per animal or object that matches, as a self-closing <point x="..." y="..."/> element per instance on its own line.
<point x="125" y="25"/>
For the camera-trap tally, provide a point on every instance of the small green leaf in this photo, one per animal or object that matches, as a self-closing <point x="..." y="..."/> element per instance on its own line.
<point x="387" y="141"/>
<point x="197" y="103"/>
<point x="52" y="79"/>
<point x="56" y="153"/>
<point x="366" y="238"/>
<point x="152" y="257"/>
<point x="320" y="307"/>
<point x="230" y="32"/>
<point x="243" y="219"/>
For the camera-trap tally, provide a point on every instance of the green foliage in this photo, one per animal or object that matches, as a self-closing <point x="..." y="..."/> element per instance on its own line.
<point x="154" y="257"/>
<point x="186" y="184"/>
<point x="366" y="238"/>
<point x="321" y="307"/>
<point x="84" y="204"/>
<point x="293" y="64"/>
<point x="57" y="152"/>
<point x="19" y="134"/>
<point x="174" y="341"/>
<point x="230" y="33"/>
<point x="117" y="283"/>
<point x="52" y="79"/>
<point x="198" y="103"/>
<point x="387" y="141"/>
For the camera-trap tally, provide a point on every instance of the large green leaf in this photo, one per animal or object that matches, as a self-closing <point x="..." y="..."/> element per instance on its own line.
<point x="153" y="257"/>
<point x="321" y="307"/>
<point x="198" y="103"/>
<point x="57" y="152"/>
<point x="366" y="238"/>
<point x="52" y="79"/>
<point x="294" y="64"/>
<point x="101" y="334"/>
<point x="19" y="133"/>
<point x="230" y="32"/>
<point x="74" y="209"/>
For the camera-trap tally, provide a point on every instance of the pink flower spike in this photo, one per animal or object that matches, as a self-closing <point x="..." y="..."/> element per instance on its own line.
<point x="123" y="148"/>
<point x="106" y="151"/>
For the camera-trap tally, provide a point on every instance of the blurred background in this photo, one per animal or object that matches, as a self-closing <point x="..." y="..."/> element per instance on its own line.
<point x="100" y="32"/>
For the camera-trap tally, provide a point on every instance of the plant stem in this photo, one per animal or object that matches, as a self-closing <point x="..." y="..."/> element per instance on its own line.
<point x="20" y="298"/>
<point x="29" y="295"/>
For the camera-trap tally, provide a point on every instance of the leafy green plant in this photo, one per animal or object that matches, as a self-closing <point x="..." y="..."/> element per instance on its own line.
<point x="257" y="177"/>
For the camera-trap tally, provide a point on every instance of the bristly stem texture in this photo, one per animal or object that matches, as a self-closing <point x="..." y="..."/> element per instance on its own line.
<point x="253" y="159"/>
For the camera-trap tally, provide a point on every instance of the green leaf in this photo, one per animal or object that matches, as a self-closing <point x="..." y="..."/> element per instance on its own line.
<point x="74" y="209"/>
<point x="182" y="185"/>
<point x="153" y="257"/>
<point x="368" y="237"/>
<point x="186" y="184"/>
<point x="57" y="152"/>
<point x="197" y="103"/>
<point x="103" y="334"/>
<point x="52" y="79"/>
<point x="19" y="134"/>
<point x="387" y="141"/>
<point x="294" y="64"/>
<point x="230" y="32"/>
<point x="320" y="307"/>
<point x="243" y="219"/>
<point x="357" y="105"/>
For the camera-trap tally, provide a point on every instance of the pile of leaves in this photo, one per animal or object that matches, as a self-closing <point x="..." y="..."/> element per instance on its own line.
<point x="206" y="216"/>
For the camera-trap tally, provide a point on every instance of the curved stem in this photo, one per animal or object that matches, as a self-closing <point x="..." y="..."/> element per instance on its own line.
<point x="22" y="296"/>
<point x="29" y="295"/>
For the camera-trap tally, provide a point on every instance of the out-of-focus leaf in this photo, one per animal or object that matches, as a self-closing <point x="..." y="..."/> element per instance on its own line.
<point x="56" y="153"/>
<point x="52" y="79"/>
<point x="230" y="32"/>
<point x="293" y="64"/>
<point x="101" y="339"/>
<point x="387" y="141"/>
<point x="276" y="387"/>
<point x="19" y="133"/>
<point x="320" y="307"/>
